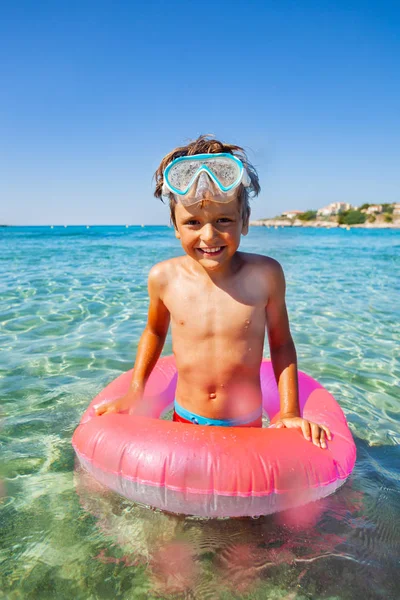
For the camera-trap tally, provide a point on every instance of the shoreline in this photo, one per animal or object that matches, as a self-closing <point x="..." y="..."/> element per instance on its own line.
<point x="278" y="223"/>
<point x="268" y="223"/>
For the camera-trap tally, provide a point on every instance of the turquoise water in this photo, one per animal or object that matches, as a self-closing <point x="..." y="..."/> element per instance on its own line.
<point x="73" y="305"/>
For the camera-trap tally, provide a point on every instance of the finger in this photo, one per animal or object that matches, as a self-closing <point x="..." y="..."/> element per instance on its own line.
<point x="315" y="434"/>
<point x="322" y="438"/>
<point x="279" y="425"/>
<point x="306" y="429"/>
<point x="327" y="431"/>
<point x="105" y="409"/>
<point x="99" y="410"/>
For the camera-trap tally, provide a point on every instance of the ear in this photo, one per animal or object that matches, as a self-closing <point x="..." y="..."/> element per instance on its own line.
<point x="177" y="234"/>
<point x="245" y="228"/>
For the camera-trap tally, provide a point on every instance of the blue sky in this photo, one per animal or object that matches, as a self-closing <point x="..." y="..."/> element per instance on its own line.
<point x="93" y="94"/>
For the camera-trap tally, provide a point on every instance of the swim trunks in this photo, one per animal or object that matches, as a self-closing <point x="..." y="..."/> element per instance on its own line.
<point x="182" y="415"/>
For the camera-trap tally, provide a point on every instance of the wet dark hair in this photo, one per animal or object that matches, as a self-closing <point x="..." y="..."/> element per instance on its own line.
<point x="207" y="144"/>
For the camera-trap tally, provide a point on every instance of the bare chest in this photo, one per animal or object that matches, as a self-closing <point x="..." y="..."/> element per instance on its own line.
<point x="204" y="313"/>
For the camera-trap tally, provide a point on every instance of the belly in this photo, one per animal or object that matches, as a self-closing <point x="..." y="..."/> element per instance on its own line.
<point x="218" y="348"/>
<point x="219" y="380"/>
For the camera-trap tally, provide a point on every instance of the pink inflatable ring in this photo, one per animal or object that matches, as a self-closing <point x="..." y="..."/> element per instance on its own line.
<point x="214" y="471"/>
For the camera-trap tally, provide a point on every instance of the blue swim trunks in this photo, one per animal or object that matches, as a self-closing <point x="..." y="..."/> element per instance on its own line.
<point x="182" y="415"/>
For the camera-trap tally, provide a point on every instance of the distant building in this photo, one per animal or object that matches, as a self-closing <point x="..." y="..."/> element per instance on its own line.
<point x="396" y="208"/>
<point x="334" y="208"/>
<point x="292" y="214"/>
<point x="373" y="209"/>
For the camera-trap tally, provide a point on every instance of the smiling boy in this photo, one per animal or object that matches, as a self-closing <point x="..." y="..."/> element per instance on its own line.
<point x="218" y="301"/>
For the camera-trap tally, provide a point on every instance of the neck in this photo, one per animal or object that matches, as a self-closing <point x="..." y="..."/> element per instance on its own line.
<point x="219" y="274"/>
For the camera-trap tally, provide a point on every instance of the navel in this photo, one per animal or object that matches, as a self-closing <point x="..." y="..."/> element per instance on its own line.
<point x="212" y="395"/>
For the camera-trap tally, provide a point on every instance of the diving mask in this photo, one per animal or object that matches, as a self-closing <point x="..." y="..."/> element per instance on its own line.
<point x="190" y="177"/>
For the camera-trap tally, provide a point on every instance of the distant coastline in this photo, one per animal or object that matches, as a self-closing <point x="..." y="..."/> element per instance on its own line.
<point x="338" y="215"/>
<point x="276" y="222"/>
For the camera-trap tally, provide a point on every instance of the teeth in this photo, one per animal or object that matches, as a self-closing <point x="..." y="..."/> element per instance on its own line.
<point x="210" y="250"/>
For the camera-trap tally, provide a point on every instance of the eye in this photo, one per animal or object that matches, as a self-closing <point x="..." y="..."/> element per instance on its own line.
<point x="225" y="220"/>
<point x="192" y="222"/>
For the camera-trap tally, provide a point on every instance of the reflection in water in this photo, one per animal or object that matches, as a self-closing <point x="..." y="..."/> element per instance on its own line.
<point x="328" y="545"/>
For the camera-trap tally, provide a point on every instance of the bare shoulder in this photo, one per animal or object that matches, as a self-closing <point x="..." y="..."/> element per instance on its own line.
<point x="162" y="273"/>
<point x="263" y="266"/>
<point x="266" y="273"/>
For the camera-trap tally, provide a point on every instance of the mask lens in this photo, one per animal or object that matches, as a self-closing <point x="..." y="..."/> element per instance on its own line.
<point x="181" y="174"/>
<point x="225" y="171"/>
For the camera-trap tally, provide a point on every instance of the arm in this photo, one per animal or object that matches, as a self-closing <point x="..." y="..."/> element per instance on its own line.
<point x="284" y="362"/>
<point x="283" y="352"/>
<point x="150" y="345"/>
<point x="153" y="337"/>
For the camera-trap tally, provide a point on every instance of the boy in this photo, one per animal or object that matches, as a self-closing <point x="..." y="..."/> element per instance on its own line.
<point x="218" y="301"/>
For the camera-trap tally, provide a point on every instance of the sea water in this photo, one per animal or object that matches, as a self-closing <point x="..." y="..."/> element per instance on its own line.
<point x="73" y="304"/>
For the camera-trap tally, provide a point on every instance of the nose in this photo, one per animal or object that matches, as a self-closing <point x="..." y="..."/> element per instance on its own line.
<point x="207" y="232"/>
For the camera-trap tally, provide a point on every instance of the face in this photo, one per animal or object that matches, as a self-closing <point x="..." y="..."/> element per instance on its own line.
<point x="210" y="231"/>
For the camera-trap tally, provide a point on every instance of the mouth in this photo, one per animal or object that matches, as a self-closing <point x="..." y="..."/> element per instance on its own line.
<point x="216" y="251"/>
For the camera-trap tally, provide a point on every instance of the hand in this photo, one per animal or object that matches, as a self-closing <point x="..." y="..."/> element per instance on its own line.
<point x="311" y="431"/>
<point x="124" y="404"/>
